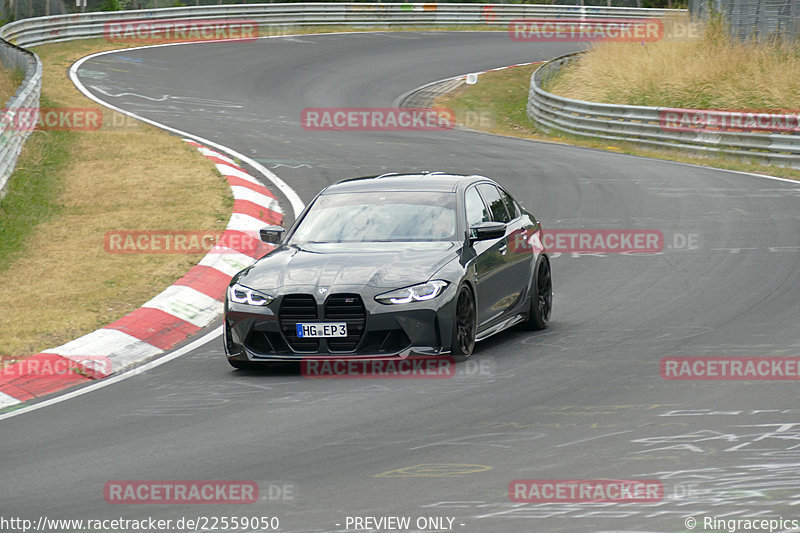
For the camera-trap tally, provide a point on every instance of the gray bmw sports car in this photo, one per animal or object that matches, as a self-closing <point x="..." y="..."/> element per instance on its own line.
<point x="392" y="265"/>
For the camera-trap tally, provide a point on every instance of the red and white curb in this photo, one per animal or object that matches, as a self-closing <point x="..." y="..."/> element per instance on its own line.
<point x="180" y="311"/>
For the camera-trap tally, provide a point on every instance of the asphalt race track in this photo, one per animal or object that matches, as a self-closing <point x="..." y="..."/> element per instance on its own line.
<point x="582" y="400"/>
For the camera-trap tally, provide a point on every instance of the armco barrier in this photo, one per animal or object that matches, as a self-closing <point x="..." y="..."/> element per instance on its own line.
<point x="42" y="30"/>
<point x="27" y="96"/>
<point x="645" y="125"/>
<point x="33" y="31"/>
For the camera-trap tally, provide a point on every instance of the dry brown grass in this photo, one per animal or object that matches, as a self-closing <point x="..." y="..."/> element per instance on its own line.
<point x="501" y="97"/>
<point x="711" y="72"/>
<point x="64" y="284"/>
<point x="9" y="82"/>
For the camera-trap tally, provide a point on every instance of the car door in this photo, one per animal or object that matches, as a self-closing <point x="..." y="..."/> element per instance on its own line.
<point x="503" y="289"/>
<point x="521" y="254"/>
<point x="488" y="259"/>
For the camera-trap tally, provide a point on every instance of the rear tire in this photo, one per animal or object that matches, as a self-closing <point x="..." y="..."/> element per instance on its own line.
<point x="541" y="298"/>
<point x="464" y="325"/>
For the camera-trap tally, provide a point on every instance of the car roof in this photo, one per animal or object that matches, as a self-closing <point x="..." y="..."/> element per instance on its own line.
<point x="417" y="181"/>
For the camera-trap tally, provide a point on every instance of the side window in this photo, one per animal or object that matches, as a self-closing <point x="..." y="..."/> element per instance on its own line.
<point x="511" y="205"/>
<point x="476" y="210"/>
<point x="495" y="202"/>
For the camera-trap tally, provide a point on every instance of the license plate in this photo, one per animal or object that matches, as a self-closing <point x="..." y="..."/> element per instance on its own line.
<point x="322" y="329"/>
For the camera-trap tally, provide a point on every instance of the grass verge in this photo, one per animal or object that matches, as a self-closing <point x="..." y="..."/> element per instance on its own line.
<point x="10" y="80"/>
<point x="33" y="190"/>
<point x="497" y="104"/>
<point x="711" y="72"/>
<point x="71" y="187"/>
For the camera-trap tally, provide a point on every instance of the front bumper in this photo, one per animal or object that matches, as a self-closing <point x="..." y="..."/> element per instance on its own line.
<point x="375" y="331"/>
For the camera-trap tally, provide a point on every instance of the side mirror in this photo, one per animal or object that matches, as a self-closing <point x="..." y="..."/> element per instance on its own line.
<point x="486" y="231"/>
<point x="272" y="234"/>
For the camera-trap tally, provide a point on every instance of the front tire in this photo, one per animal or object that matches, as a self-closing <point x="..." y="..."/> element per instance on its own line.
<point x="541" y="297"/>
<point x="464" y="325"/>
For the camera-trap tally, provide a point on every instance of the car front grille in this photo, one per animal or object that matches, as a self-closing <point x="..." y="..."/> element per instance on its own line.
<point x="298" y="308"/>
<point x="347" y="308"/>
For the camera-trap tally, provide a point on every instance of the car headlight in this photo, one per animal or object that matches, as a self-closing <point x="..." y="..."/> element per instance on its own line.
<point x="245" y="295"/>
<point x="415" y="293"/>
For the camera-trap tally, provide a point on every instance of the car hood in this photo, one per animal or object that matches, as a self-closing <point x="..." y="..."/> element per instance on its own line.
<point x="379" y="265"/>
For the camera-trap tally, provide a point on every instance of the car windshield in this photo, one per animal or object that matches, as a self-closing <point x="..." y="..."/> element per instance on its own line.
<point x="379" y="216"/>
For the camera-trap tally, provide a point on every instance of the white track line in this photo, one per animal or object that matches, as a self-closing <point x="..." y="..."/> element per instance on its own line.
<point x="120" y="377"/>
<point x="294" y="200"/>
<point x="291" y="195"/>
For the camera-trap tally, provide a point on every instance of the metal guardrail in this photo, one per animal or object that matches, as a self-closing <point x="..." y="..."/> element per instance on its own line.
<point x="27" y="96"/>
<point x="34" y="31"/>
<point x="20" y="9"/>
<point x="646" y="125"/>
<point x="42" y="30"/>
